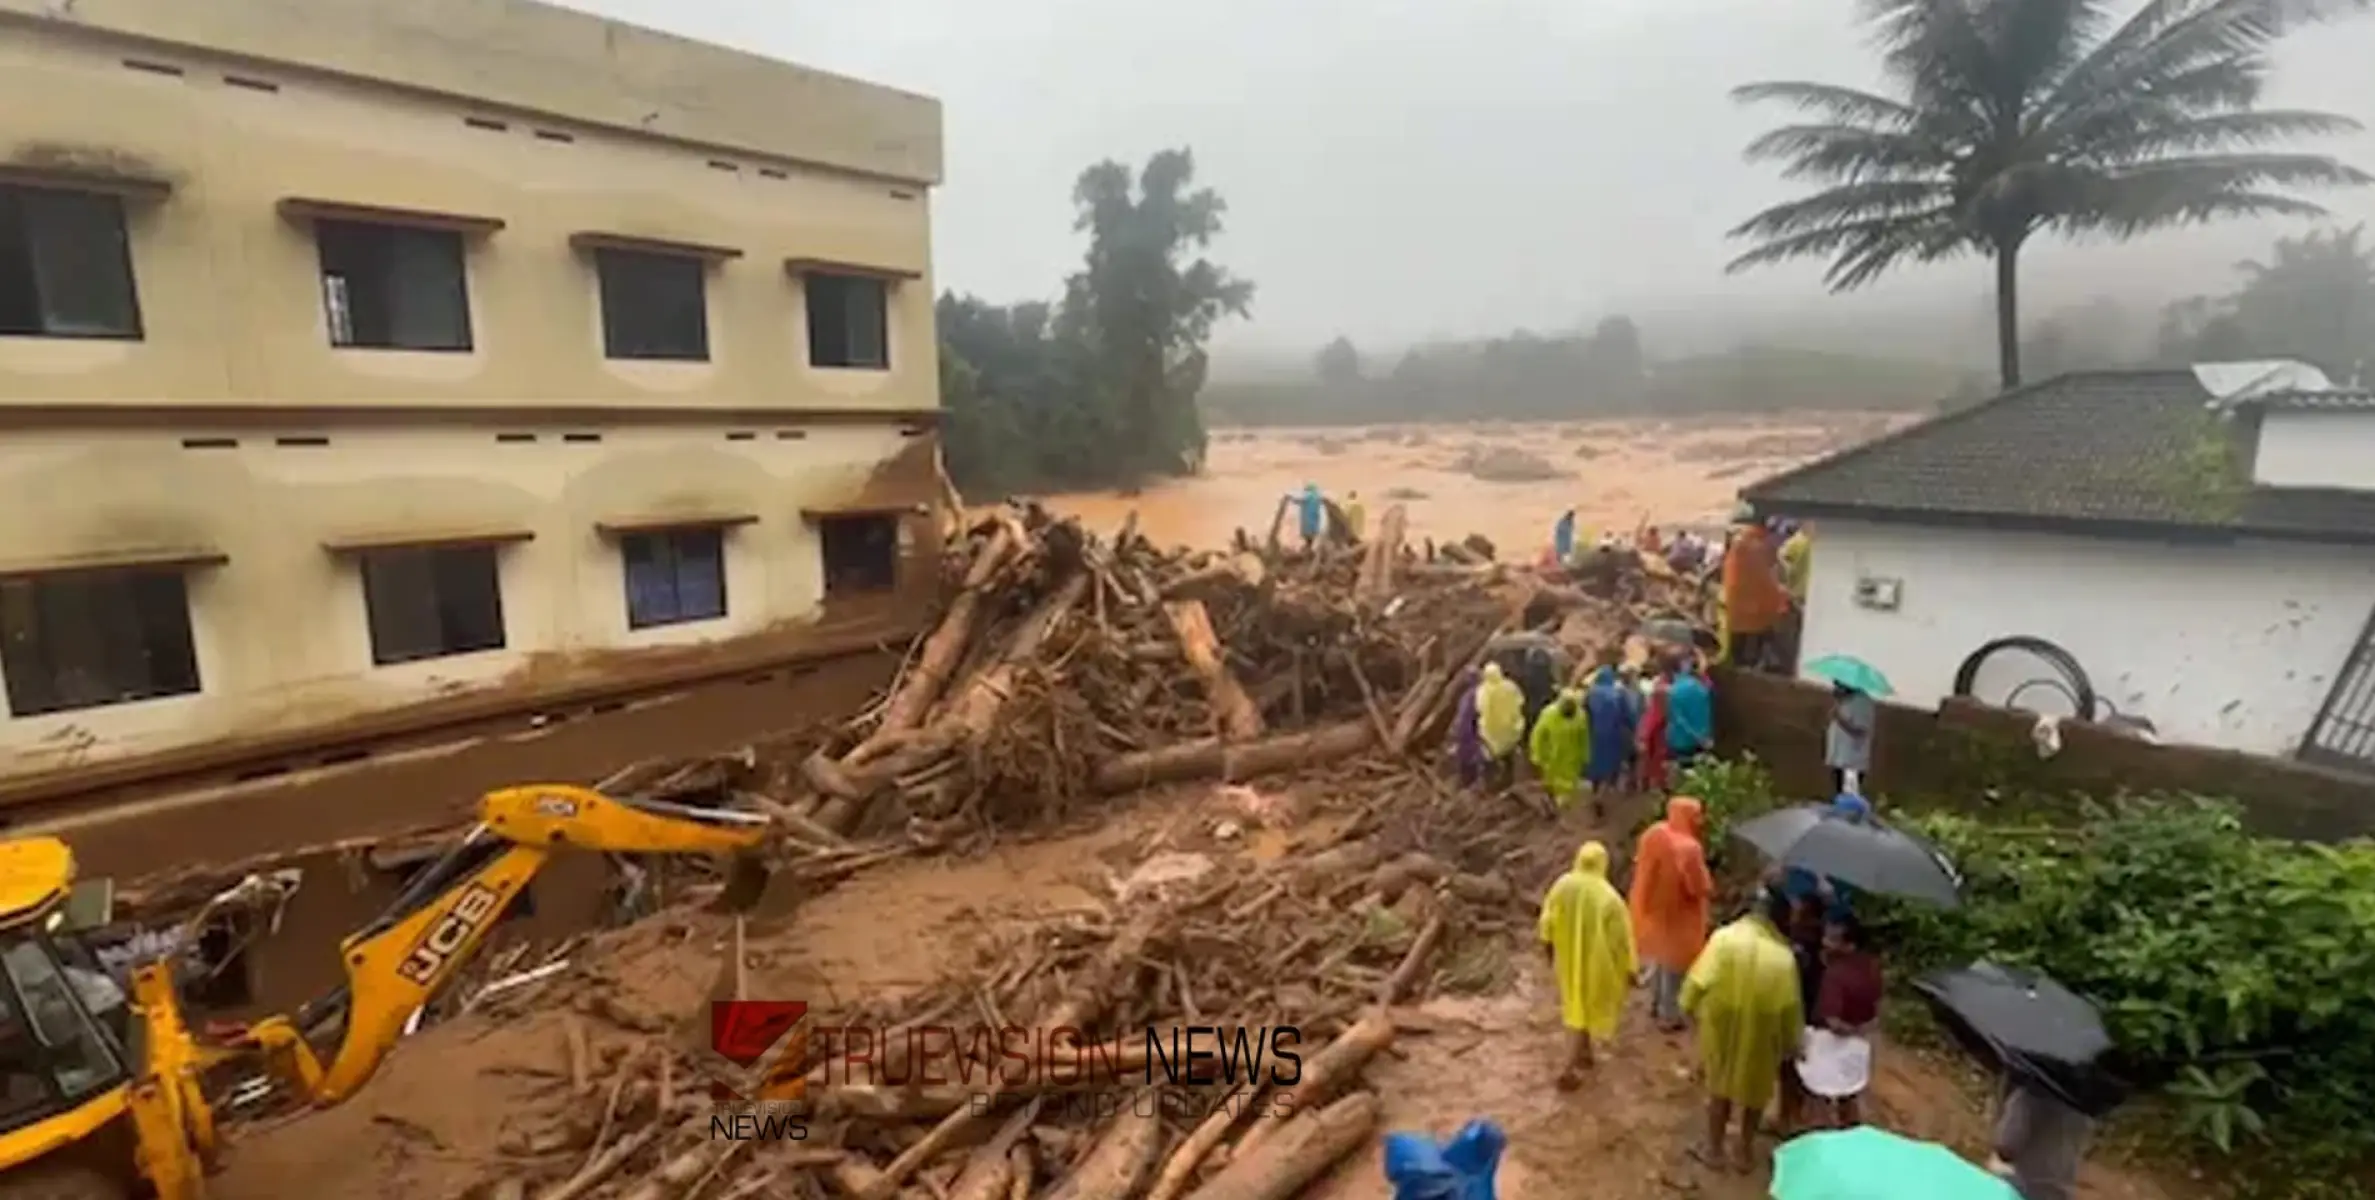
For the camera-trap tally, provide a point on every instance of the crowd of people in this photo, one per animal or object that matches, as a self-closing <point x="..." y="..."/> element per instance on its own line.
<point x="1625" y="730"/>
<point x="1782" y="1002"/>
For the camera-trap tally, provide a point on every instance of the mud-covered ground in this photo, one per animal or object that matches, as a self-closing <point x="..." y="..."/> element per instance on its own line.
<point x="441" y="1116"/>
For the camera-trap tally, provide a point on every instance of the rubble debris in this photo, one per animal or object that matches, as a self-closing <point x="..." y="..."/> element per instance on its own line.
<point x="1067" y="669"/>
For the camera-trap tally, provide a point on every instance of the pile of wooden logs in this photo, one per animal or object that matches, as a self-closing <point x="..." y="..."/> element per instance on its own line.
<point x="1067" y="666"/>
<point x="1335" y="943"/>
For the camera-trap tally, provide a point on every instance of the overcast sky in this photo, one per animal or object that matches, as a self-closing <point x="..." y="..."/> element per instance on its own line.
<point x="1402" y="169"/>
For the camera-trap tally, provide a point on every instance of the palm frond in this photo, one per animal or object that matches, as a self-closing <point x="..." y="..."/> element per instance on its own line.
<point x="1847" y="204"/>
<point x="2190" y="190"/>
<point x="1845" y="153"/>
<point x="1862" y="250"/>
<point x="2167" y="38"/>
<point x="2232" y="130"/>
<point x="1842" y="104"/>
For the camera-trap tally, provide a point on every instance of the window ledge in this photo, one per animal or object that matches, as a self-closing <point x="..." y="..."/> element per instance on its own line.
<point x="425" y="539"/>
<point x="876" y="510"/>
<point x="306" y="208"/>
<point x="623" y="526"/>
<point x="94" y="180"/>
<point x="589" y="239"/>
<point x="827" y="266"/>
<point x="184" y="558"/>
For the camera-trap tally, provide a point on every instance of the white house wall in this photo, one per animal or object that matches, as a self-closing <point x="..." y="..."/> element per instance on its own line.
<point x="2233" y="646"/>
<point x="2316" y="449"/>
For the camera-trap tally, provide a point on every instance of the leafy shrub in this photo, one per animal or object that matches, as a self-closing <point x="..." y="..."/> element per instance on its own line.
<point x="1732" y="790"/>
<point x="2233" y="971"/>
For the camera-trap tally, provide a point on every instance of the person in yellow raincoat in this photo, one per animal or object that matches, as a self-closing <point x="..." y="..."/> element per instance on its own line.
<point x="1560" y="745"/>
<point x="1500" y="721"/>
<point x="1742" y="993"/>
<point x="1588" y="933"/>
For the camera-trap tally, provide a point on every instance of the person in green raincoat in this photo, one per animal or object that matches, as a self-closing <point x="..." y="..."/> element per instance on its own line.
<point x="1588" y="933"/>
<point x="1560" y="746"/>
<point x="1500" y="720"/>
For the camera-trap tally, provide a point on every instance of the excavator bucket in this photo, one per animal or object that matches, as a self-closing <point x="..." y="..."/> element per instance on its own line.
<point x="747" y="876"/>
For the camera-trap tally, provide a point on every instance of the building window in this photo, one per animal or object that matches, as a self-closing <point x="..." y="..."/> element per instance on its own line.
<point x="65" y="266"/>
<point x="848" y="321"/>
<point x="393" y="287"/>
<point x="861" y="554"/>
<point x="87" y="640"/>
<point x="674" y="576"/>
<point x="432" y="602"/>
<point x="653" y="305"/>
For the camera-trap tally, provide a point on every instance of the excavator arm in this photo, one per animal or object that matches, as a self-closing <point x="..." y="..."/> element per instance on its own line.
<point x="444" y="914"/>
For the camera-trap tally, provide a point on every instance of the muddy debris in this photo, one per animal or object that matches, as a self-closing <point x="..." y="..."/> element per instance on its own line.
<point x="1506" y="464"/>
<point x="1067" y="670"/>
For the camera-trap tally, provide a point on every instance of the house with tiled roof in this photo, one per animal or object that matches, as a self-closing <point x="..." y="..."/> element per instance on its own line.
<point x="2190" y="550"/>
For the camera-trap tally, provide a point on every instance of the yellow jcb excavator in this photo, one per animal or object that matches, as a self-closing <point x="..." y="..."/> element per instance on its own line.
<point x="91" y="1113"/>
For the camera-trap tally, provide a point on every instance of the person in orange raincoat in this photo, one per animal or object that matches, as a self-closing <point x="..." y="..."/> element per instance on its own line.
<point x="1671" y="892"/>
<point x="1754" y="601"/>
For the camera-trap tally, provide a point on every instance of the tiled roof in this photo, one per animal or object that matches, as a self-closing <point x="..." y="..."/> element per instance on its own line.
<point x="2338" y="400"/>
<point x="2138" y="452"/>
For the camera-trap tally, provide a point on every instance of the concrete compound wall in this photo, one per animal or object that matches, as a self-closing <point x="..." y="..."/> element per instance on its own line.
<point x="1962" y="750"/>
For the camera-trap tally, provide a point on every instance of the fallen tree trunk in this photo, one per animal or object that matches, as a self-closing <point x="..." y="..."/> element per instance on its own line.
<point x="1325" y="1074"/>
<point x="1310" y="1144"/>
<point x="945" y="647"/>
<point x="1120" y="1159"/>
<point x="1232" y="710"/>
<point x="910" y="1102"/>
<point x="989" y="1174"/>
<point x="974" y="710"/>
<point x="1113" y="968"/>
<point x="1215" y="759"/>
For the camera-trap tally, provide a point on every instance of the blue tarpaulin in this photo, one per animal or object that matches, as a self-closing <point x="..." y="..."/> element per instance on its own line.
<point x="1421" y="1168"/>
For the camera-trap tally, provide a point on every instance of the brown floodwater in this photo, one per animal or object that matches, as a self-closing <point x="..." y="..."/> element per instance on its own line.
<point x="1615" y="474"/>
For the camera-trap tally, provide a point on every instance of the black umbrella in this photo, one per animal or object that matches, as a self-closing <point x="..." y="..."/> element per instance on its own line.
<point x="2038" y="1029"/>
<point x="1860" y="851"/>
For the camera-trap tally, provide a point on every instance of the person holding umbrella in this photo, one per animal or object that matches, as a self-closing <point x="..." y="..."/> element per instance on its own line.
<point x="1847" y="739"/>
<point x="2049" y="1043"/>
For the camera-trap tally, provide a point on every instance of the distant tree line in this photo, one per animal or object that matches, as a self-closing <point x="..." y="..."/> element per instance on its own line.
<point x="1098" y="389"/>
<point x="1602" y="373"/>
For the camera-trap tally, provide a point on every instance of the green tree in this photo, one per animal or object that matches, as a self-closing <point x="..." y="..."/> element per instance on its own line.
<point x="1144" y="308"/>
<point x="1338" y="364"/>
<point x="2011" y="118"/>
<point x="2312" y="298"/>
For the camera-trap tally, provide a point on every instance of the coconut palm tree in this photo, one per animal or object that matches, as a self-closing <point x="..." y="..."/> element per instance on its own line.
<point x="2011" y="118"/>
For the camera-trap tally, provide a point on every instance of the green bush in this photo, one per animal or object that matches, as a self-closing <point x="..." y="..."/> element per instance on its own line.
<point x="2236" y="973"/>
<point x="1732" y="790"/>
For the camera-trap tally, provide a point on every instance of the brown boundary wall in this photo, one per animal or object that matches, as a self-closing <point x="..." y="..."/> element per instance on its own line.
<point x="1966" y="752"/>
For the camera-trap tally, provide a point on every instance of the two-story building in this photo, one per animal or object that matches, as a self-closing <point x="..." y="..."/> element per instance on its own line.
<point x="364" y="361"/>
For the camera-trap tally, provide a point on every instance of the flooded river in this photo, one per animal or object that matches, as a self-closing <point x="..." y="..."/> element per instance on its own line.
<point x="1507" y="481"/>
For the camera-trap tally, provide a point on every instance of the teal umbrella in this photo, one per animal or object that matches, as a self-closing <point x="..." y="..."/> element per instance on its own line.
<point x="1848" y="671"/>
<point x="1872" y="1164"/>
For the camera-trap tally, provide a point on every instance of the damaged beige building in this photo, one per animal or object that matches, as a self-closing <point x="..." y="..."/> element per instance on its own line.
<point x="370" y="365"/>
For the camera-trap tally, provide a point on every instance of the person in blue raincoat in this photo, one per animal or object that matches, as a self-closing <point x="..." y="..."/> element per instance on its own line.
<point x="1614" y="716"/>
<point x="1562" y="538"/>
<point x="1311" y="513"/>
